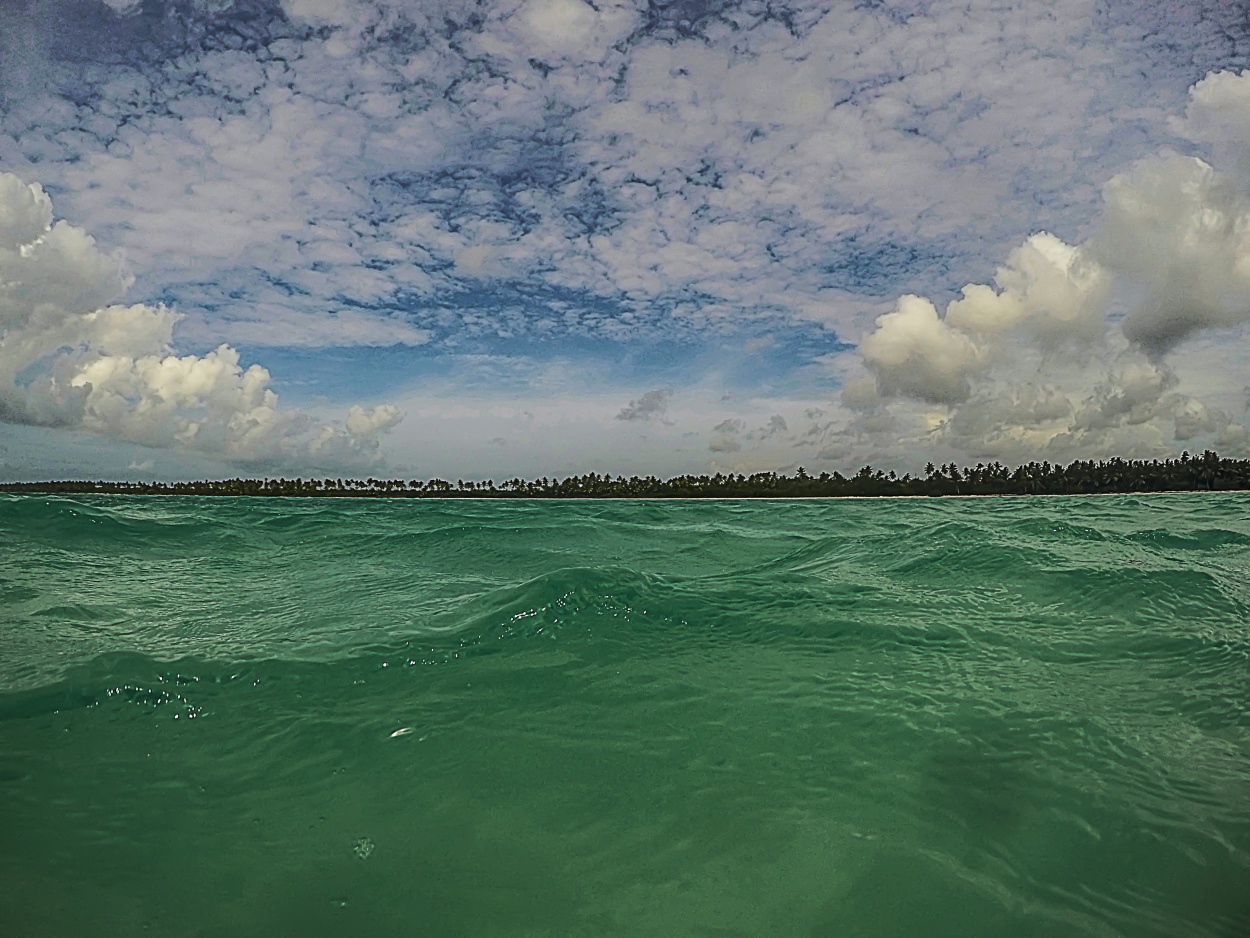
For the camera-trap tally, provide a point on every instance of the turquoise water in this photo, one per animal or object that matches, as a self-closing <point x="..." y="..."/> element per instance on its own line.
<point x="979" y="717"/>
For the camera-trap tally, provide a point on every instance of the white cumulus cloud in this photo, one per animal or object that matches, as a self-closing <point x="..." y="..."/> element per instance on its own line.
<point x="71" y="356"/>
<point x="1088" y="350"/>
<point x="914" y="353"/>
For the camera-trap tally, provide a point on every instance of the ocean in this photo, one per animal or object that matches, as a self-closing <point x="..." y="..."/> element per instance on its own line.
<point x="857" y="717"/>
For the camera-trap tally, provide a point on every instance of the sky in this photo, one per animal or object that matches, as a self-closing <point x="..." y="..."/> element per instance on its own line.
<point x="545" y="237"/>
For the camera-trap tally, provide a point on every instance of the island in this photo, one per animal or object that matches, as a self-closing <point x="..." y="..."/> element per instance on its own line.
<point x="1186" y="473"/>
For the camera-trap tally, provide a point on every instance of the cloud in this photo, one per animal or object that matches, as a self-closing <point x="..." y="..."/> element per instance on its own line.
<point x="1047" y="288"/>
<point x="70" y="356"/>
<point x="729" y="434"/>
<point x="1218" y="115"/>
<point x="561" y="26"/>
<point x="687" y="161"/>
<point x="1178" y="234"/>
<point x="776" y="424"/>
<point x="725" y="438"/>
<point x="124" y="7"/>
<point x="915" y="354"/>
<point x="1077" y="351"/>
<point x="470" y="177"/>
<point x="651" y="406"/>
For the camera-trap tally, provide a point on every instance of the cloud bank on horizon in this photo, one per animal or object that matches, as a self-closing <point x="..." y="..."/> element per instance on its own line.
<point x="705" y="233"/>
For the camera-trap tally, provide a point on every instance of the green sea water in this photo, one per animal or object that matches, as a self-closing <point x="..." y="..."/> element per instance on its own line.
<point x="977" y="717"/>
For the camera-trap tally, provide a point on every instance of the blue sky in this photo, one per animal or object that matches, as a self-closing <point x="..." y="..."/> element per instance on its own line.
<point x="538" y="237"/>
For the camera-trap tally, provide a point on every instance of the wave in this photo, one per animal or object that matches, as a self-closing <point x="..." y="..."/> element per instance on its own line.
<point x="1028" y="714"/>
<point x="173" y="577"/>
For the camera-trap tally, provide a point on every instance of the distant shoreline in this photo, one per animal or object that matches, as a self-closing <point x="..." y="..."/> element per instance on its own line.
<point x="355" y="496"/>
<point x="1206" y="473"/>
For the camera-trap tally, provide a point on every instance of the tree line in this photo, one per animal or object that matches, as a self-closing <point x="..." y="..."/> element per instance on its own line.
<point x="1208" y="472"/>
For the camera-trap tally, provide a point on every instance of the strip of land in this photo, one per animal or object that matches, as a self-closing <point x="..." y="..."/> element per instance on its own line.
<point x="1208" y="472"/>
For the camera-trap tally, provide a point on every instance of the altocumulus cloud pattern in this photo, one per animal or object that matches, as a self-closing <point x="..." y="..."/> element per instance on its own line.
<point x="791" y="194"/>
